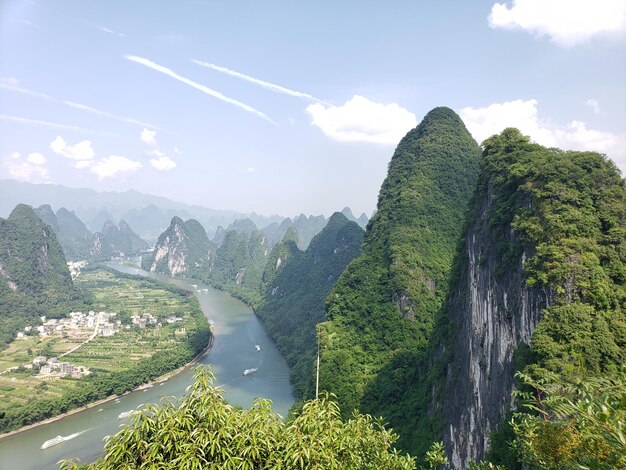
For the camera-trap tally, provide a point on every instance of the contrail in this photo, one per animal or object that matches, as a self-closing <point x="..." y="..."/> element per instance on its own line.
<point x="72" y="104"/>
<point x="204" y="89"/>
<point x="53" y="125"/>
<point x="89" y="109"/>
<point x="256" y="81"/>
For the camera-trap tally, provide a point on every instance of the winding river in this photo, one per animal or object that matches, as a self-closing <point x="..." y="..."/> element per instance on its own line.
<point x="236" y="332"/>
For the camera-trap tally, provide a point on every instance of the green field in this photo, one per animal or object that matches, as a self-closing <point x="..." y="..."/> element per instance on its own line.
<point x="117" y="363"/>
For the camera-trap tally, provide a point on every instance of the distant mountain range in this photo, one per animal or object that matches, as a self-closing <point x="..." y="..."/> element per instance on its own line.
<point x="150" y="215"/>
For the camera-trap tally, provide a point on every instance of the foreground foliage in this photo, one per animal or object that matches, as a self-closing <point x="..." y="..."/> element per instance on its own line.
<point x="572" y="426"/>
<point x="202" y="430"/>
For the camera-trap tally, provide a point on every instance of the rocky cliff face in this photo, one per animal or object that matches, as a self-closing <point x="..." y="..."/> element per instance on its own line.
<point x="492" y="312"/>
<point x="116" y="240"/>
<point x="541" y="270"/>
<point x="182" y="249"/>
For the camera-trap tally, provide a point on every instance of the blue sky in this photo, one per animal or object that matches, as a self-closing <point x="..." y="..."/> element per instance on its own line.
<point x="287" y="107"/>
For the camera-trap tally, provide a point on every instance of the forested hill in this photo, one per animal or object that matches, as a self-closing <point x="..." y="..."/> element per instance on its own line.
<point x="296" y="286"/>
<point x="543" y="263"/>
<point x="183" y="249"/>
<point x="385" y="303"/>
<point x="34" y="278"/>
<point x="116" y="240"/>
<point x="73" y="235"/>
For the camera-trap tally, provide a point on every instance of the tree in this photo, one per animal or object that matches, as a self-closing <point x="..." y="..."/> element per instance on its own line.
<point x="572" y="426"/>
<point x="201" y="430"/>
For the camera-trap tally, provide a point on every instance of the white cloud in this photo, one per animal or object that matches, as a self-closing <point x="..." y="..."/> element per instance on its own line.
<point x="36" y="158"/>
<point x="81" y="151"/>
<point x="256" y="81"/>
<point x="360" y="119"/>
<point x="163" y="163"/>
<point x="204" y="89"/>
<point x="148" y="136"/>
<point x="492" y="119"/>
<point x="25" y="169"/>
<point x="595" y="105"/>
<point x="114" y="165"/>
<point x="567" y="22"/>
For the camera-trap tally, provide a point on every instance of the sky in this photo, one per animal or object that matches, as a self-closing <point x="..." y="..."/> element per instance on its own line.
<point x="284" y="107"/>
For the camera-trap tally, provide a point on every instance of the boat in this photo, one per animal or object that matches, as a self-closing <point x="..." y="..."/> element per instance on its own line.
<point x="126" y="414"/>
<point x="194" y="286"/>
<point x="52" y="442"/>
<point x="205" y="290"/>
<point x="250" y="371"/>
<point x="258" y="347"/>
<point x="57" y="440"/>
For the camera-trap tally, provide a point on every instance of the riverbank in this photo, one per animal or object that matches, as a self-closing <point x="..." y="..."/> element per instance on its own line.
<point x="94" y="404"/>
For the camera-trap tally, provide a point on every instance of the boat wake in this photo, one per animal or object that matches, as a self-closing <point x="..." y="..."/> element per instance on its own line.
<point x="57" y="440"/>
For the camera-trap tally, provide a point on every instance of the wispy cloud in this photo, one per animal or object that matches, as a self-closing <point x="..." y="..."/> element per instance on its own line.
<point x="204" y="89"/>
<point x="105" y="30"/>
<point x="89" y="109"/>
<point x="262" y="83"/>
<point x="12" y="84"/>
<point x="53" y="125"/>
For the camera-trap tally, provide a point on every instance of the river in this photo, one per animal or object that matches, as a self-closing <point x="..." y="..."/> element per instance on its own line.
<point x="236" y="332"/>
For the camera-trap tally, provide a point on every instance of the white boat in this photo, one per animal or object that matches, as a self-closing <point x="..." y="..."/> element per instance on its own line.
<point x="250" y="371"/>
<point x="258" y="347"/>
<point x="205" y="290"/>
<point x="52" y="442"/>
<point x="126" y="414"/>
<point x="194" y="286"/>
<point x="57" y="440"/>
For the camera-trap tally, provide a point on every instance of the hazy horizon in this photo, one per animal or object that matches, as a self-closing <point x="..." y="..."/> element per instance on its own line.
<point x="287" y="108"/>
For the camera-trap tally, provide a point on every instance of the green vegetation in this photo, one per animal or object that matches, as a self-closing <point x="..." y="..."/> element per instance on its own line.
<point x="202" y="430"/>
<point x="183" y="248"/>
<point x="383" y="307"/>
<point x="73" y="235"/>
<point x="237" y="265"/>
<point x="576" y="224"/>
<point x="572" y="426"/>
<point x="34" y="278"/>
<point x="118" y="363"/>
<point x="116" y="241"/>
<point x="569" y="210"/>
<point x="297" y="284"/>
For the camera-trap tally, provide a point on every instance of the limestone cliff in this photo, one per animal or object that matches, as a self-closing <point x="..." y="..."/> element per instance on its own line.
<point x="182" y="250"/>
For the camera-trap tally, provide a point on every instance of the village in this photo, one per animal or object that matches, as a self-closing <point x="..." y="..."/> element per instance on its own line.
<point x="82" y="326"/>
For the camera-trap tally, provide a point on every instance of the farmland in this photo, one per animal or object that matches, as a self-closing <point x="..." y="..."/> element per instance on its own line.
<point x="154" y="328"/>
